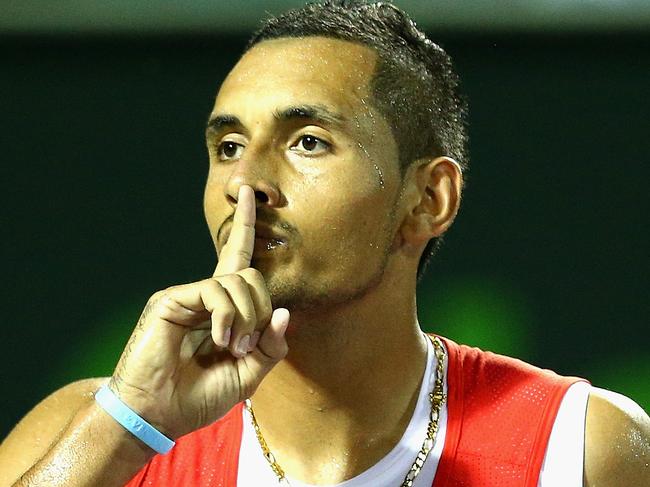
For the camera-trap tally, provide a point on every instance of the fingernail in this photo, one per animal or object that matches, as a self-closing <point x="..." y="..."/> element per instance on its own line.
<point x="283" y="328"/>
<point x="284" y="317"/>
<point x="242" y="347"/>
<point x="255" y="337"/>
<point x="226" y="337"/>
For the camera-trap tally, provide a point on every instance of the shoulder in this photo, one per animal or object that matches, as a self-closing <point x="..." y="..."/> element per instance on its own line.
<point x="617" y="441"/>
<point x="484" y="368"/>
<point x="62" y="404"/>
<point x="32" y="436"/>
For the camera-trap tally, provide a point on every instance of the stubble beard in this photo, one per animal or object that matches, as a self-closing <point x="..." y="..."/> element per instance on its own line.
<point x="311" y="295"/>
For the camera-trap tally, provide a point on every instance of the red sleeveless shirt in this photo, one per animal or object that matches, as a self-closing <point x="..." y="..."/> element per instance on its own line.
<point x="500" y="415"/>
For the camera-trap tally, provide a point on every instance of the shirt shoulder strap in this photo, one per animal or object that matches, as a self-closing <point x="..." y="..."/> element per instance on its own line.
<point x="500" y="416"/>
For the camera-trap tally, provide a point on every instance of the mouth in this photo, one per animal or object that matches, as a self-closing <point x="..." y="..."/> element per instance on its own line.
<point x="266" y="239"/>
<point x="267" y="244"/>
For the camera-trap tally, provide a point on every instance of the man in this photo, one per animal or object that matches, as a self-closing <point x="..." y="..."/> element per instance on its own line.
<point x="336" y="156"/>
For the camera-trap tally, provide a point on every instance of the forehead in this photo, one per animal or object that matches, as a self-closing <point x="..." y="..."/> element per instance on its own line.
<point x="331" y="72"/>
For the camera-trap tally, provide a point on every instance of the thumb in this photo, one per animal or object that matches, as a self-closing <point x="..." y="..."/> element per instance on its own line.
<point x="271" y="347"/>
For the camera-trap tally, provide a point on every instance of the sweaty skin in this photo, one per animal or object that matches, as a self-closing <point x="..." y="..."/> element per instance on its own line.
<point x="347" y="268"/>
<point x="307" y="211"/>
<point x="331" y="196"/>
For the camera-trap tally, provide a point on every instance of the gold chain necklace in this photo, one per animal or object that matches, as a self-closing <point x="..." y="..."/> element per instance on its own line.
<point x="436" y="397"/>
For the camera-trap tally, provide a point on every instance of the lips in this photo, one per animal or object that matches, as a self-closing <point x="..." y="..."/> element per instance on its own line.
<point x="263" y="244"/>
<point x="265" y="238"/>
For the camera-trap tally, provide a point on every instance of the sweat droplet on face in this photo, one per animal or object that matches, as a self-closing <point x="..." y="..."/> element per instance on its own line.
<point x="380" y="174"/>
<point x="372" y="119"/>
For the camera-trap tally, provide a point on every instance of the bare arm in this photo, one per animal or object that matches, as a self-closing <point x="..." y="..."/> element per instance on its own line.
<point x="49" y="445"/>
<point x="197" y="350"/>
<point x="617" y="442"/>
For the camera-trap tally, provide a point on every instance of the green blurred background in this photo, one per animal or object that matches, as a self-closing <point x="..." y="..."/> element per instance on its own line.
<point x="102" y="109"/>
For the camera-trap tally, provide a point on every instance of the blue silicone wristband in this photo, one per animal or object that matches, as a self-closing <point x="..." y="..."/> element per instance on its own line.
<point x="128" y="418"/>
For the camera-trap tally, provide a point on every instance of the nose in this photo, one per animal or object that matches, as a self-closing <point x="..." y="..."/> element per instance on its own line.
<point x="266" y="193"/>
<point x="257" y="168"/>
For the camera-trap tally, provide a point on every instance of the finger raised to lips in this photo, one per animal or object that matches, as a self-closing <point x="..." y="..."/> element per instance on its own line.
<point x="237" y="252"/>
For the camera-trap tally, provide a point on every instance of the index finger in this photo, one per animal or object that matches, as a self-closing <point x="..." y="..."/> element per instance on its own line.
<point x="237" y="252"/>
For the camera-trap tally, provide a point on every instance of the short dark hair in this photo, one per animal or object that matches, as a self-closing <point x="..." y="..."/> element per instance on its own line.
<point x="415" y="86"/>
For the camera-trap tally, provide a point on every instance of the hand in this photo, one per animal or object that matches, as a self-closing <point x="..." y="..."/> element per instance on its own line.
<point x="200" y="348"/>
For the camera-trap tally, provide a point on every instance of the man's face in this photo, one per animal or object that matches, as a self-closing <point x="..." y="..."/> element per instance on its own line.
<point x="293" y="119"/>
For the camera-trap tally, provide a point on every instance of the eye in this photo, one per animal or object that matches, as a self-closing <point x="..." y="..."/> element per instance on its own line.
<point x="310" y="145"/>
<point x="229" y="150"/>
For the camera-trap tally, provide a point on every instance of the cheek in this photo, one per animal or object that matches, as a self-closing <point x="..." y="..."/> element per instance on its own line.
<point x="345" y="218"/>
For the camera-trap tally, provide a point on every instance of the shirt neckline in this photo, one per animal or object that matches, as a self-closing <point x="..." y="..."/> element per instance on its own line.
<point x="405" y="447"/>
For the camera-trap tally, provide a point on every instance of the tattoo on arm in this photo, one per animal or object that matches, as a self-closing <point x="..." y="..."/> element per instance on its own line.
<point x="117" y="382"/>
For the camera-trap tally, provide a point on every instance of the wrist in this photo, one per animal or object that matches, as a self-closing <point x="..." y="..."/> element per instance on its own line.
<point x="132" y="422"/>
<point x="103" y="428"/>
<point x="143" y="404"/>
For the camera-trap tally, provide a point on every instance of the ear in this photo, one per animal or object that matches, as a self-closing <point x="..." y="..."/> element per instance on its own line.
<point x="434" y="194"/>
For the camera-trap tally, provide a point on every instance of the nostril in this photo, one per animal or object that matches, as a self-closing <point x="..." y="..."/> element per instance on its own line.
<point x="262" y="196"/>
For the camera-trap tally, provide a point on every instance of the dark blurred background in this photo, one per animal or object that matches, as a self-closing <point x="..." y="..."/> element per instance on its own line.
<point x="102" y="110"/>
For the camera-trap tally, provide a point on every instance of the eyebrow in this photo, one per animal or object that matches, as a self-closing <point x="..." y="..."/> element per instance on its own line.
<point x="219" y="122"/>
<point x="315" y="113"/>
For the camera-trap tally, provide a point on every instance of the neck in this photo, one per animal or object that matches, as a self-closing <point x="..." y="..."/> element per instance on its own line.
<point x="354" y="372"/>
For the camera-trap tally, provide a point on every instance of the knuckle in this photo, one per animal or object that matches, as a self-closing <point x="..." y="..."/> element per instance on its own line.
<point x="158" y="295"/>
<point x="163" y="306"/>
<point x="212" y="284"/>
<point x="256" y="280"/>
<point x="274" y="354"/>
<point x="231" y="280"/>
<point x="244" y="254"/>
<point x="251" y="274"/>
<point x="225" y="314"/>
<point x="265" y="315"/>
<point x="158" y="304"/>
<point x="217" y="335"/>
<point x="249" y="317"/>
